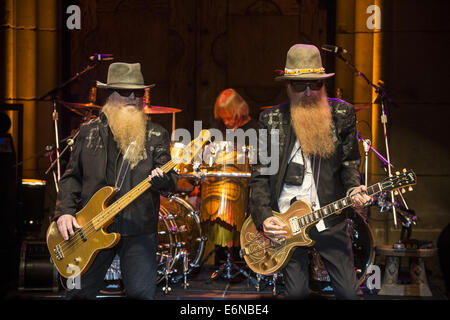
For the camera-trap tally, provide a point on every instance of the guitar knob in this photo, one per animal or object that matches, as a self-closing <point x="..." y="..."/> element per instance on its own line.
<point x="396" y="192"/>
<point x="410" y="188"/>
<point x="403" y="190"/>
<point x="397" y="173"/>
<point x="404" y="170"/>
<point x="77" y="260"/>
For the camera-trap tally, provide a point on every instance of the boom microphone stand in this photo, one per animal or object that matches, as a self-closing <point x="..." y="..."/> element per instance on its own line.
<point x="53" y="94"/>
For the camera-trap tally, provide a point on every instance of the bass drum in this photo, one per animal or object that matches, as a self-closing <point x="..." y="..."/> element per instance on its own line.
<point x="179" y="232"/>
<point x="363" y="254"/>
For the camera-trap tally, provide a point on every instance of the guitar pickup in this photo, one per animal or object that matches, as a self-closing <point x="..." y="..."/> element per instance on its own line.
<point x="82" y="236"/>
<point x="295" y="226"/>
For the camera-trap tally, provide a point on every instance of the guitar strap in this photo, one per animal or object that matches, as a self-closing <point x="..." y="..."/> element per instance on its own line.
<point x="124" y="166"/>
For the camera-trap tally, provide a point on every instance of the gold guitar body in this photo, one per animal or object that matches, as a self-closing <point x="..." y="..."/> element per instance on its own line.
<point x="265" y="256"/>
<point x="74" y="256"/>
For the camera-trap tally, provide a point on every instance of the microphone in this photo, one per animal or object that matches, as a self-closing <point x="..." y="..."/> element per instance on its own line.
<point x="334" y="49"/>
<point x="101" y="57"/>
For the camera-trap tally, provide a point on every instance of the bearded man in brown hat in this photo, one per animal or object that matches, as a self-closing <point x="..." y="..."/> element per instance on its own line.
<point x="319" y="164"/>
<point x="119" y="148"/>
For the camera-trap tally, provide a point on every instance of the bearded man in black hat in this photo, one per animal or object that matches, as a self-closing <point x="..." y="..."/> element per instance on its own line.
<point x="319" y="164"/>
<point x="119" y="148"/>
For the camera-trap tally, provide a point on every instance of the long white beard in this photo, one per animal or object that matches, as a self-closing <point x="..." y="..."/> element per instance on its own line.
<point x="128" y="126"/>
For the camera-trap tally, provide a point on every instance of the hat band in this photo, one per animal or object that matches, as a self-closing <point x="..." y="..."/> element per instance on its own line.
<point x="119" y="83"/>
<point x="303" y="71"/>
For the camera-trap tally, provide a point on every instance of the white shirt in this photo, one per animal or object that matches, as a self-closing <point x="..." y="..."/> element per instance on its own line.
<point x="306" y="191"/>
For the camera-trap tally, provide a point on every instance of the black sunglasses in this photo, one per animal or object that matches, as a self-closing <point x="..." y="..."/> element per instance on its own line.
<point x="300" y="86"/>
<point x="127" y="92"/>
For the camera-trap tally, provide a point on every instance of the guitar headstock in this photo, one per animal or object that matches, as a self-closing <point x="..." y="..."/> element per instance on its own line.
<point x="400" y="180"/>
<point x="187" y="154"/>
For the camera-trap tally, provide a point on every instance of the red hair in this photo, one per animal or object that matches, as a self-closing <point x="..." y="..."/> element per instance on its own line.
<point x="231" y="101"/>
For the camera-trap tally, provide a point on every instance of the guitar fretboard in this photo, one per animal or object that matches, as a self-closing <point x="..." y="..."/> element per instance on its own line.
<point x="107" y="214"/>
<point x="315" y="216"/>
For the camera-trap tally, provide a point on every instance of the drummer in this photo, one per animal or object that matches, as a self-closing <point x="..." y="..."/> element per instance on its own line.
<point x="231" y="112"/>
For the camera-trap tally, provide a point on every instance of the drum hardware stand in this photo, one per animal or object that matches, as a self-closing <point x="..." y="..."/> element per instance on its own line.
<point x="381" y="99"/>
<point x="55" y="115"/>
<point x="167" y="272"/>
<point x="269" y="280"/>
<point x="226" y="269"/>
<point x="274" y="279"/>
<point x="184" y="254"/>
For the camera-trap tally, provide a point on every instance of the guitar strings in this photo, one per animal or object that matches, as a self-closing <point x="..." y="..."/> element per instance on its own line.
<point x="74" y="241"/>
<point x="260" y="236"/>
<point x="87" y="230"/>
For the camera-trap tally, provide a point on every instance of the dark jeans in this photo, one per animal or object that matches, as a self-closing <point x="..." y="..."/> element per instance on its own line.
<point x="137" y="265"/>
<point x="334" y="247"/>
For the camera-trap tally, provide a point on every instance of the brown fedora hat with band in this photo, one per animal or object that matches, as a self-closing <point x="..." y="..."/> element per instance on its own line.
<point x="124" y="76"/>
<point x="303" y="62"/>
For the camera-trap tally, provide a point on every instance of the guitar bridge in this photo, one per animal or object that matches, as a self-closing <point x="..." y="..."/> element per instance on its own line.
<point x="58" y="252"/>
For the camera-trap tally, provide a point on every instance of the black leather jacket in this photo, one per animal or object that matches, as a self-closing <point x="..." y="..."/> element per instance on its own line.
<point x="337" y="174"/>
<point x="86" y="174"/>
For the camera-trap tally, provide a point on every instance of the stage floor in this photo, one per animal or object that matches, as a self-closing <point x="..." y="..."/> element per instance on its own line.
<point x="201" y="287"/>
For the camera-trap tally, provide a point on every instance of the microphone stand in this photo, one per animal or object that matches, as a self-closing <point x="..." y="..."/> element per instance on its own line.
<point x="382" y="97"/>
<point x="55" y="115"/>
<point x="70" y="141"/>
<point x="367" y="144"/>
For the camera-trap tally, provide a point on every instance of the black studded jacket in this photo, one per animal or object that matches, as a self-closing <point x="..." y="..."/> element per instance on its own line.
<point x="90" y="168"/>
<point x="337" y="174"/>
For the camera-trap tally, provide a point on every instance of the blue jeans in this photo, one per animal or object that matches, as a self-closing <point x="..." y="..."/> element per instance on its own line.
<point x="137" y="264"/>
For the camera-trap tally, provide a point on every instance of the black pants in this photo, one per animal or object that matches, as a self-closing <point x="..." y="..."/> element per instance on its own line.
<point x="334" y="247"/>
<point x="137" y="265"/>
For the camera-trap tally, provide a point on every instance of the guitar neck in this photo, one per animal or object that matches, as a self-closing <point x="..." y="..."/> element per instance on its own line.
<point x="106" y="215"/>
<point x="328" y="210"/>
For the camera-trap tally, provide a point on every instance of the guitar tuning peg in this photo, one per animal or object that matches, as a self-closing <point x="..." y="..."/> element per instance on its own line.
<point x="403" y="190"/>
<point x="410" y="188"/>
<point x="397" y="173"/>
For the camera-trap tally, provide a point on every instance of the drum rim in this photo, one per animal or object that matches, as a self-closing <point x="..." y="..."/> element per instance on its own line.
<point x="195" y="216"/>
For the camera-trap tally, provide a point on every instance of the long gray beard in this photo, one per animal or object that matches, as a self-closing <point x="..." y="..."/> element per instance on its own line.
<point x="311" y="120"/>
<point x="129" y="130"/>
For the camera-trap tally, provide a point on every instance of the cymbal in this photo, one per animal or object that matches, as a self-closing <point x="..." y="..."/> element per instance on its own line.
<point x="77" y="105"/>
<point x="159" y="110"/>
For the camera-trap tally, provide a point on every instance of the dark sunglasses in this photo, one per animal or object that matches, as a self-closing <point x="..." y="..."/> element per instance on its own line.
<point x="300" y="86"/>
<point x="128" y="92"/>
